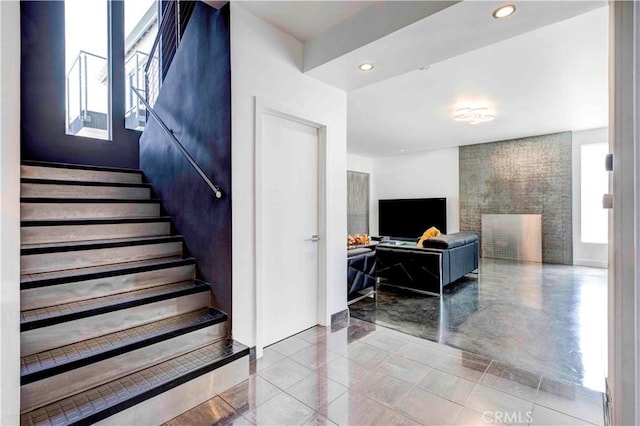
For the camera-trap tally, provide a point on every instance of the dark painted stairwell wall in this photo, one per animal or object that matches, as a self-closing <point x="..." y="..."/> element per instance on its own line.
<point x="195" y="102"/>
<point x="42" y="71"/>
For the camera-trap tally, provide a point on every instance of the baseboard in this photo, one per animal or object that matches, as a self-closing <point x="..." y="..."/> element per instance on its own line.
<point x="591" y="263"/>
<point x="340" y="320"/>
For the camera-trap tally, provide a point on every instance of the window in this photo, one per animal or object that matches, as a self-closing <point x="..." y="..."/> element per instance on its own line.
<point x="87" y="68"/>
<point x="140" y="29"/>
<point x="594" y="184"/>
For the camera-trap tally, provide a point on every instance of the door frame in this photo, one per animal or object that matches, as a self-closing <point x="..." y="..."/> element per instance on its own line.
<point x="262" y="107"/>
<point x="623" y="378"/>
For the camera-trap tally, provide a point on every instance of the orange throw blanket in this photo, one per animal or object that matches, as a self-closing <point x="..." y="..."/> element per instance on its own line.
<point x="429" y="233"/>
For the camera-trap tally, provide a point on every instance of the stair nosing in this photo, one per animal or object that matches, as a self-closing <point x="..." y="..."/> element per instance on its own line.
<point x="198" y="287"/>
<point x="110" y="353"/>
<point x="94" y="221"/>
<point x="110" y="411"/>
<point x="162" y="387"/>
<point x="57" y="165"/>
<point x="40" y="181"/>
<point x="49" y="200"/>
<point x="163" y="263"/>
<point x="99" y="244"/>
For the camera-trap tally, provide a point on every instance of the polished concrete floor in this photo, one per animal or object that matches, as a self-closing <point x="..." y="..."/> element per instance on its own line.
<point x="365" y="374"/>
<point x="548" y="319"/>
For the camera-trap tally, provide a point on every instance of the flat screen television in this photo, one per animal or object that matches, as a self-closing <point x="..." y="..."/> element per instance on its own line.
<point x="409" y="218"/>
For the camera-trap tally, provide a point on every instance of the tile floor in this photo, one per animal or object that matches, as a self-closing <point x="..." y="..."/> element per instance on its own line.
<point x="549" y="319"/>
<point x="365" y="374"/>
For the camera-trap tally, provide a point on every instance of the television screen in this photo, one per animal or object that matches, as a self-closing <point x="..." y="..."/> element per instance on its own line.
<point x="409" y="218"/>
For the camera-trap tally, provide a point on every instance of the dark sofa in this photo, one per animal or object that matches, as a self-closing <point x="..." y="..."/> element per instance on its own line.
<point x="361" y="273"/>
<point x="441" y="261"/>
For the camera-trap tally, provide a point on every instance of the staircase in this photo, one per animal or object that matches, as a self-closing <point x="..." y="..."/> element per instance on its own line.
<point x="114" y="325"/>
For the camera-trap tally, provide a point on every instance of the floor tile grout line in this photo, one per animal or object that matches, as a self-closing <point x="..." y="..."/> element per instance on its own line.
<point x="394" y="353"/>
<point x="566" y="414"/>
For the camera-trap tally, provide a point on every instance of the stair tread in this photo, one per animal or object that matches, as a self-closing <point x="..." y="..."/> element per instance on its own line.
<point x="49" y="200"/>
<point x="94" y="221"/>
<point x="95" y="244"/>
<point x="42" y="181"/>
<point x="58" y="360"/>
<point x="91" y="272"/>
<point x="50" y="315"/>
<point x="79" y="166"/>
<point x="105" y="400"/>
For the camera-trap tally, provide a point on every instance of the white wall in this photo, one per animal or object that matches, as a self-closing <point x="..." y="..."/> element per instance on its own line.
<point x="359" y="163"/>
<point x="266" y="63"/>
<point x="429" y="174"/>
<point x="9" y="212"/>
<point x="586" y="254"/>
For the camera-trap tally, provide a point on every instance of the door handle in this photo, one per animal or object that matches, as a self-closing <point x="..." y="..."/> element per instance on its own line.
<point x="314" y="238"/>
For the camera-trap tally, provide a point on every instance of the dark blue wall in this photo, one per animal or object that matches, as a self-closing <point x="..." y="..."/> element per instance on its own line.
<point x="195" y="102"/>
<point x="43" y="92"/>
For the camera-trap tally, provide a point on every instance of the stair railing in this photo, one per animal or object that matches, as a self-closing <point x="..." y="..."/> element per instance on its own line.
<point x="174" y="19"/>
<point x="216" y="190"/>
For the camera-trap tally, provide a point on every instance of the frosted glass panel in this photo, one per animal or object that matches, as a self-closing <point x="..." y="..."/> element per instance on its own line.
<point x="512" y="236"/>
<point x="594" y="184"/>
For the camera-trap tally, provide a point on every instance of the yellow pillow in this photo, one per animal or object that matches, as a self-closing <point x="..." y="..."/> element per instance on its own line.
<point x="429" y="233"/>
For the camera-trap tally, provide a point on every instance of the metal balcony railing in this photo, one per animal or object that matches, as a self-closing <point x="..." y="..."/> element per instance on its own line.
<point x="88" y="97"/>
<point x="136" y="111"/>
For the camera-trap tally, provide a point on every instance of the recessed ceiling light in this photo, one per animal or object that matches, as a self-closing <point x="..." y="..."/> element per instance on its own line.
<point x="366" y="66"/>
<point x="402" y="150"/>
<point x="504" y="11"/>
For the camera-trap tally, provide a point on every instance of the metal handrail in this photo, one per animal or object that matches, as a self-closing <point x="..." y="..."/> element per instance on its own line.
<point x="216" y="190"/>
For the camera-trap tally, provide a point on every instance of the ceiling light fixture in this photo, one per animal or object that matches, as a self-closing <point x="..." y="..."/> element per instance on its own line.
<point x="504" y="11"/>
<point x="473" y="115"/>
<point x="366" y="66"/>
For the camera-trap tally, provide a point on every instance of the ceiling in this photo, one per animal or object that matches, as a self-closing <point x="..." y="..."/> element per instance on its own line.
<point x="542" y="70"/>
<point x="304" y="19"/>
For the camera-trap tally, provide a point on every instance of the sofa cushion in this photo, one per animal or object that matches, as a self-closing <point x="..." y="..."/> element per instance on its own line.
<point x="450" y="240"/>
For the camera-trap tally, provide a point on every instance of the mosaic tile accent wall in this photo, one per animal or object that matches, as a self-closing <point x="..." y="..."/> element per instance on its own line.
<point x="521" y="176"/>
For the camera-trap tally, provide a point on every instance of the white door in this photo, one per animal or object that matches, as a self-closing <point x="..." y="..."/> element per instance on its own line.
<point x="289" y="227"/>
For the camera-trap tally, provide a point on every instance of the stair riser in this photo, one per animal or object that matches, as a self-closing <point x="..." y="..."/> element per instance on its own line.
<point x="48" y="262"/>
<point x="46" y="338"/>
<point x="41" y="211"/>
<point x="45" y="391"/>
<point x="65" y="293"/>
<point x="176" y="401"/>
<point x="34" y="190"/>
<point x="53" y="234"/>
<point x="56" y="173"/>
